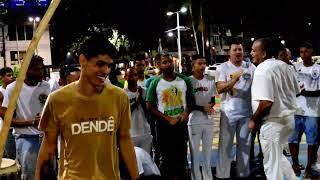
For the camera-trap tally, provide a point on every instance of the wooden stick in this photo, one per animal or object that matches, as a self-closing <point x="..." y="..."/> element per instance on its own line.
<point x="22" y="74"/>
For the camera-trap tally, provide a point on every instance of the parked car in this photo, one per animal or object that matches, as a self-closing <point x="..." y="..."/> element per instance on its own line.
<point x="211" y="71"/>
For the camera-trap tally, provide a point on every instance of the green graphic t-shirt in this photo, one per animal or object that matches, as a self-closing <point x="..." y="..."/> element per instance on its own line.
<point x="170" y="97"/>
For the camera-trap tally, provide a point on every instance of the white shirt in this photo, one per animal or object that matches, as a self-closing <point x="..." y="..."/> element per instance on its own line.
<point x="274" y="81"/>
<point x="172" y="96"/>
<point x="309" y="78"/>
<point x="141" y="83"/>
<point x="54" y="85"/>
<point x="30" y="103"/>
<point x="237" y="106"/>
<point x="139" y="125"/>
<point x="203" y="91"/>
<point x="2" y="90"/>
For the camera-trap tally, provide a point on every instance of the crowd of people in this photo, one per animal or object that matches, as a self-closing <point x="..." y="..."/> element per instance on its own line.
<point x="85" y="127"/>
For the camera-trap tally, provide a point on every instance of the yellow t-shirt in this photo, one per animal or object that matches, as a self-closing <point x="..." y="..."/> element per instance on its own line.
<point x="88" y="128"/>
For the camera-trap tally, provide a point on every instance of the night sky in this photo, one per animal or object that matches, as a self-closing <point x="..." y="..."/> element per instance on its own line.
<point x="144" y="21"/>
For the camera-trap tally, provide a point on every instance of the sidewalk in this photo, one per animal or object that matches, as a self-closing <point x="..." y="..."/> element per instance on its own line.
<point x="214" y="157"/>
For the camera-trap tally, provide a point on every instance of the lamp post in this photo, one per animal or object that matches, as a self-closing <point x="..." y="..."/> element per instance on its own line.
<point x="34" y="20"/>
<point x="182" y="10"/>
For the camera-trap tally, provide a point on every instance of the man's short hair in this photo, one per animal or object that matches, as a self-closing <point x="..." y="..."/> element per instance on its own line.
<point x="234" y="40"/>
<point x="139" y="57"/>
<point x="5" y="70"/>
<point x="67" y="70"/>
<point x="95" y="45"/>
<point x="306" y="45"/>
<point x="197" y="56"/>
<point x="159" y="56"/>
<point x="270" y="47"/>
<point x="35" y="60"/>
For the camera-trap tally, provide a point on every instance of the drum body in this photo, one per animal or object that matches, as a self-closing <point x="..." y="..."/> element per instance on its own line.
<point x="10" y="170"/>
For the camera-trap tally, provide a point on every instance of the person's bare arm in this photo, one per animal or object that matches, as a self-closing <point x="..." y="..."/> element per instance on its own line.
<point x="225" y="86"/>
<point x="1" y="98"/>
<point x="263" y="110"/>
<point x="128" y="154"/>
<point x="3" y="111"/>
<point x="46" y="157"/>
<point x="20" y="122"/>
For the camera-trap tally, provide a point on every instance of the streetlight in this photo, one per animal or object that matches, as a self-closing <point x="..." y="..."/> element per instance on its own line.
<point x="34" y="20"/>
<point x="170" y="34"/>
<point x="283" y="42"/>
<point x="182" y="10"/>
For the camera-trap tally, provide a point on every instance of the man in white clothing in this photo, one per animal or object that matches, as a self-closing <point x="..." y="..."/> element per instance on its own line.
<point x="234" y="83"/>
<point x="200" y="125"/>
<point x="31" y="100"/>
<point x="274" y="90"/>
<point x="308" y="116"/>
<point x="140" y="131"/>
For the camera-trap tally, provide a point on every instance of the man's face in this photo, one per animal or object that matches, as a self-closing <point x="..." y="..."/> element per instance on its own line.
<point x="73" y="76"/>
<point x="285" y="56"/>
<point x="36" y="72"/>
<point x="7" y="78"/>
<point x="96" y="69"/>
<point x="139" y="66"/>
<point x="236" y="53"/>
<point x="257" y="53"/>
<point x="132" y="77"/>
<point x="166" y="65"/>
<point x="199" y="66"/>
<point x="305" y="53"/>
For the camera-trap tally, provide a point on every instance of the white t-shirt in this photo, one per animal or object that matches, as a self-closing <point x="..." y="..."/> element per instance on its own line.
<point x="141" y="83"/>
<point x="30" y="102"/>
<point x="2" y="90"/>
<point x="237" y="106"/>
<point x="203" y="91"/>
<point x="309" y="78"/>
<point x="275" y="81"/>
<point x="139" y="125"/>
<point x="54" y="85"/>
<point x="172" y="96"/>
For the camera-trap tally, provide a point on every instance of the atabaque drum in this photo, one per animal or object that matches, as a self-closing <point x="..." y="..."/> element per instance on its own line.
<point x="10" y="170"/>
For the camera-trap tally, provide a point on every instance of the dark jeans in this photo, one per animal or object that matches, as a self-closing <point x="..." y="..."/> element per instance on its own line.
<point x="172" y="141"/>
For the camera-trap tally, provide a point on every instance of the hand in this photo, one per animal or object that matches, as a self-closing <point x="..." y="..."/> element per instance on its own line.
<point x="36" y="119"/>
<point x="172" y="121"/>
<point x="136" y="178"/>
<point x="139" y="90"/>
<point x="183" y="117"/>
<point x="253" y="125"/>
<point x="140" y="94"/>
<point x="209" y="108"/>
<point x="236" y="75"/>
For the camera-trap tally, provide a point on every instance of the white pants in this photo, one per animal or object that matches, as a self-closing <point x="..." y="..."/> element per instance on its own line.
<point x="144" y="142"/>
<point x="226" y="136"/>
<point x="197" y="133"/>
<point x="273" y="136"/>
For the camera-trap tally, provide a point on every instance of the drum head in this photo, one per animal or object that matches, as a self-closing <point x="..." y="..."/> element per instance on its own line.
<point x="8" y="166"/>
<point x="7" y="163"/>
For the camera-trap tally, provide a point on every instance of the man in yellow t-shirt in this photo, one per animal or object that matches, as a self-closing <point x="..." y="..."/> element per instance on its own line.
<point x="93" y="119"/>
